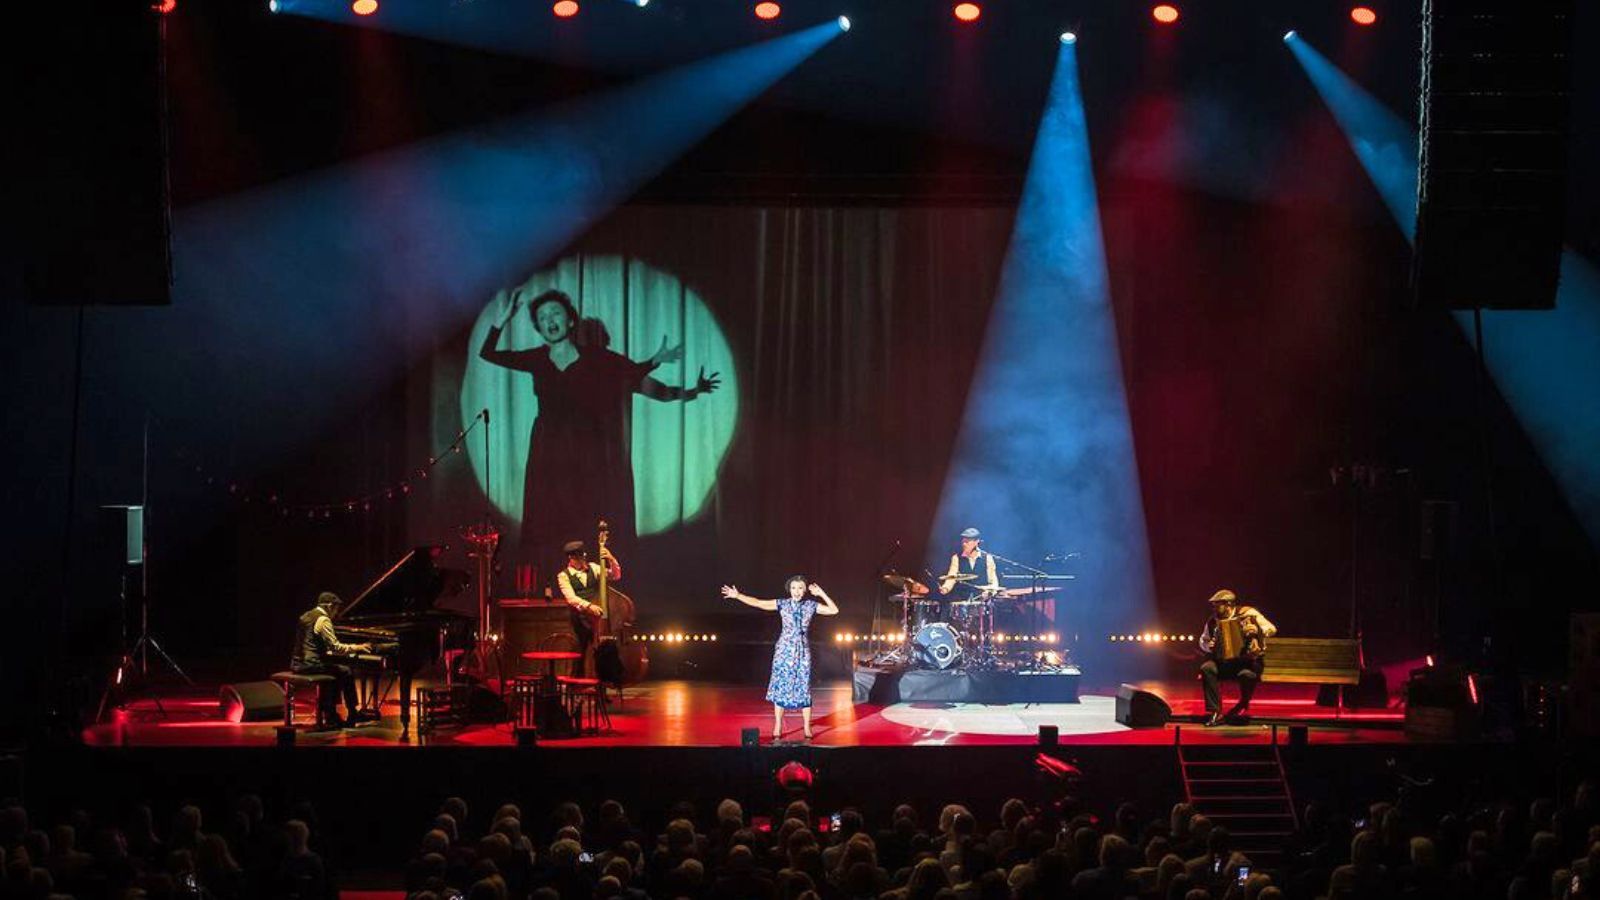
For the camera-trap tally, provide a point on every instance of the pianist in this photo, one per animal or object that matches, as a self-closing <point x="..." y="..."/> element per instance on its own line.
<point x="1247" y="666"/>
<point x="317" y="652"/>
<point x="579" y="584"/>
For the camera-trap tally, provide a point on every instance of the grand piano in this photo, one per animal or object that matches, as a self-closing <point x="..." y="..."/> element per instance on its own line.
<point x="398" y="614"/>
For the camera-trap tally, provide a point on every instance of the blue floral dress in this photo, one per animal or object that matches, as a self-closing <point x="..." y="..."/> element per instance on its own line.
<point x="790" y="686"/>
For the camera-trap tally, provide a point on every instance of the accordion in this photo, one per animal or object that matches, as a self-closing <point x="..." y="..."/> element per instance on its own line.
<point x="1232" y="643"/>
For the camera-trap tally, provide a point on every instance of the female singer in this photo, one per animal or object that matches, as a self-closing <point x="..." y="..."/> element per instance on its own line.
<point x="790" y="687"/>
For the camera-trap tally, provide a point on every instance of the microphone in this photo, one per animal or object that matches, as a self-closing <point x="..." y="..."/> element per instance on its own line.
<point x="486" y="415"/>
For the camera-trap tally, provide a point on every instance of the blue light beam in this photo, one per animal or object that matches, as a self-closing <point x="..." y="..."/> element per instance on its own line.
<point x="1545" y="362"/>
<point x="298" y="297"/>
<point x="1045" y="460"/>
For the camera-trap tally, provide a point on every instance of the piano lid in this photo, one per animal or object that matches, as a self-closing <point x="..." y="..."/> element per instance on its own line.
<point x="412" y="585"/>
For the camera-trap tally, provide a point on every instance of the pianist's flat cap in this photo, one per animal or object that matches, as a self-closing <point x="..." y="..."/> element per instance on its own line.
<point x="328" y="598"/>
<point x="573" y="547"/>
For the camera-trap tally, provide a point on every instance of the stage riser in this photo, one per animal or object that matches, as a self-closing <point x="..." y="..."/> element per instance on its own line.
<point x="882" y="687"/>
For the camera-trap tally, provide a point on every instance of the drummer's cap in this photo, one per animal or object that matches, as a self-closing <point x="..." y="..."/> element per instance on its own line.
<point x="971" y="533"/>
<point x="1223" y="596"/>
<point x="328" y="600"/>
<point x="573" y="548"/>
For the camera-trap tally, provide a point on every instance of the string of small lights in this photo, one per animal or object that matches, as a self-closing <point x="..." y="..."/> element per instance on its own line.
<point x="274" y="502"/>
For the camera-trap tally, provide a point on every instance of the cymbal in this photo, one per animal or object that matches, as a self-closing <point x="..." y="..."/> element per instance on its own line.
<point x="905" y="583"/>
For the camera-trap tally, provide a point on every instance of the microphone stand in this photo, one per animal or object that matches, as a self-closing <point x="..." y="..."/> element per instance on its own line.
<point x="877" y="594"/>
<point x="1034" y="575"/>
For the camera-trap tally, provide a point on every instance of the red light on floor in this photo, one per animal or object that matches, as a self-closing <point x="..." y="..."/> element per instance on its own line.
<point x="364" y="7"/>
<point x="565" y="9"/>
<point x="1166" y="13"/>
<point x="968" y="12"/>
<point x="768" y="10"/>
<point x="1363" y="15"/>
<point x="1472" y="688"/>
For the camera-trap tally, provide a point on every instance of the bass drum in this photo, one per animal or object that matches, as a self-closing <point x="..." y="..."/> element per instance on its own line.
<point x="936" y="646"/>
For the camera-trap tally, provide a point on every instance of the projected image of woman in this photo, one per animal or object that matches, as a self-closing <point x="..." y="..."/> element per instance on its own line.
<point x="580" y="464"/>
<point x="790" y="685"/>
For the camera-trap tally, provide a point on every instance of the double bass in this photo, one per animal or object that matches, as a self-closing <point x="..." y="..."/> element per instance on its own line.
<point x="618" y="658"/>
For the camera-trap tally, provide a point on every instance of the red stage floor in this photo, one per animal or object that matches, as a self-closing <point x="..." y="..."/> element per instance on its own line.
<point x="696" y="714"/>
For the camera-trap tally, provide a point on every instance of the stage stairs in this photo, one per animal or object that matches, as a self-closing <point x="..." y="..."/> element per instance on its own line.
<point x="1243" y="788"/>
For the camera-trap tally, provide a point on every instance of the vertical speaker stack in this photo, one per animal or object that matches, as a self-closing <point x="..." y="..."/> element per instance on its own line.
<point x="1583" y="675"/>
<point x="1492" y="169"/>
<point x="95" y="200"/>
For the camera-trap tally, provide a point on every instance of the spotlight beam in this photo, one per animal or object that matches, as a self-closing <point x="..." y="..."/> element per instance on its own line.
<point x="309" y="280"/>
<point x="1545" y="362"/>
<point x="1045" y="458"/>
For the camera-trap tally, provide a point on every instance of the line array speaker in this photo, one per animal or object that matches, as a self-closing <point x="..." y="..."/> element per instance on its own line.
<point x="1492" y="169"/>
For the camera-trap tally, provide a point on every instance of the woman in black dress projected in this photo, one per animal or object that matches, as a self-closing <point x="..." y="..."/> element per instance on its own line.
<point x="580" y="464"/>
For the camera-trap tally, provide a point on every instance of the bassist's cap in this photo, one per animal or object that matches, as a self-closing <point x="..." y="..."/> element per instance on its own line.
<point x="574" y="548"/>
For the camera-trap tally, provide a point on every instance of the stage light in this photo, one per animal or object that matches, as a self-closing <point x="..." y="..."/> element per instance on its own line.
<point x="164" y="6"/>
<point x="1289" y="35"/>
<point x="1165" y="13"/>
<point x="795" y="778"/>
<point x="272" y="6"/>
<point x="641" y="3"/>
<point x="1068" y="37"/>
<point x="565" y="9"/>
<point x="768" y="10"/>
<point x="1363" y="15"/>
<point x="844" y="23"/>
<point x="364" y="7"/>
<point x="967" y="12"/>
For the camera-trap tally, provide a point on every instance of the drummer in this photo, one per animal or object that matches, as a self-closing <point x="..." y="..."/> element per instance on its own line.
<point x="972" y="562"/>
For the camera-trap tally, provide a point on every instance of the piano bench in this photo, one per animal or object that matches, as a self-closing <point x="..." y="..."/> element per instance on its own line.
<point x="290" y="682"/>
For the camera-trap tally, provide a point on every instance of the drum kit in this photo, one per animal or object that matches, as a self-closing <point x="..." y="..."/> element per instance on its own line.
<point x="945" y="632"/>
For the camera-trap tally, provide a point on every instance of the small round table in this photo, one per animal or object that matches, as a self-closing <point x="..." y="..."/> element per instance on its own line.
<point x="552" y="657"/>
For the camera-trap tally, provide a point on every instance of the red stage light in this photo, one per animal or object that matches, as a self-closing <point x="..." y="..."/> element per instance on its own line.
<point x="1166" y="13"/>
<point x="968" y="12"/>
<point x="565" y="9"/>
<point x="364" y="7"/>
<point x="768" y="10"/>
<point x="1363" y="15"/>
<point x="795" y="777"/>
<point x="164" y="6"/>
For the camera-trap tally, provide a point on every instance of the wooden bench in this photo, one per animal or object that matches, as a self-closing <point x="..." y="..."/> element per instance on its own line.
<point x="290" y="682"/>
<point x="1312" y="661"/>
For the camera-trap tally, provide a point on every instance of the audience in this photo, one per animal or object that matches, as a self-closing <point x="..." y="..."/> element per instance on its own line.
<point x="1388" y="850"/>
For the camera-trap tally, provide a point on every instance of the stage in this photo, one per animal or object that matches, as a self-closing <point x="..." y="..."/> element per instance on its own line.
<point x="680" y="740"/>
<point x="700" y="714"/>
